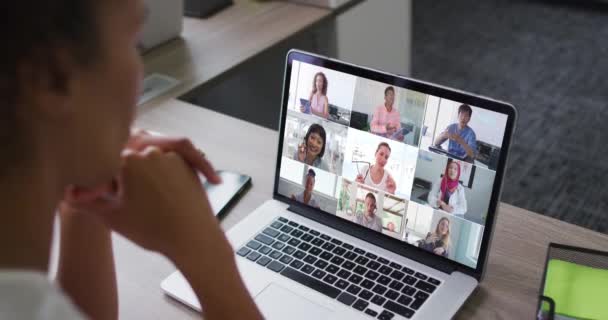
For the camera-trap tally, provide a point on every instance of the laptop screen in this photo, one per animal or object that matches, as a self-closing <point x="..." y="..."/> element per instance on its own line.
<point x="415" y="167"/>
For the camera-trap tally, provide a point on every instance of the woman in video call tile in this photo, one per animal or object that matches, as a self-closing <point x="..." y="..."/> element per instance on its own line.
<point x="318" y="104"/>
<point x="386" y="121"/>
<point x="377" y="176"/>
<point x="369" y="219"/>
<point x="463" y="141"/>
<point x="438" y="242"/>
<point x="447" y="193"/>
<point x="306" y="197"/>
<point x="312" y="149"/>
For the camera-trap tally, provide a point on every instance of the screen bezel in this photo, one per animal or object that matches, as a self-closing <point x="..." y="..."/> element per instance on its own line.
<point x="384" y="241"/>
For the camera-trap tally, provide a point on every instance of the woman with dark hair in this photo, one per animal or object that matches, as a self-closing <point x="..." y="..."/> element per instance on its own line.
<point x="447" y="194"/>
<point x="438" y="242"/>
<point x="69" y="82"/>
<point x="319" y="104"/>
<point x="377" y="176"/>
<point x="312" y="149"/>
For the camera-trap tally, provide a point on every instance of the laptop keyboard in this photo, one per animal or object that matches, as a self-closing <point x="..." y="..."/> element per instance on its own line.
<point x="340" y="270"/>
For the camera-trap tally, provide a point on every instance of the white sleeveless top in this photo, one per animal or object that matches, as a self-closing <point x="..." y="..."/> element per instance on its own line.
<point x="381" y="185"/>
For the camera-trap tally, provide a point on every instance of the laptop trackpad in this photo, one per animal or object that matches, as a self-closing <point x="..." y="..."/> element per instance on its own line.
<point x="276" y="302"/>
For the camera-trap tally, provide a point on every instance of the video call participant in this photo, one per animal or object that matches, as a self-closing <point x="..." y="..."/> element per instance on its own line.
<point x="377" y="176"/>
<point x="438" y="242"/>
<point x="369" y="219"/>
<point x="318" y="102"/>
<point x="306" y="197"/>
<point x="447" y="193"/>
<point x="463" y="141"/>
<point x="312" y="149"/>
<point x="386" y="121"/>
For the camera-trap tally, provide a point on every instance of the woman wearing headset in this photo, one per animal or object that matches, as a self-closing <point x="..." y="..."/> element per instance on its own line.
<point x="369" y="219"/>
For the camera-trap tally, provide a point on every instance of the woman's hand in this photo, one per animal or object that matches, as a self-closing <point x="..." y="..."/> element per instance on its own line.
<point x="360" y="178"/>
<point x="302" y="152"/>
<point x="303" y="109"/>
<point x="391" y="186"/>
<point x="439" y="251"/>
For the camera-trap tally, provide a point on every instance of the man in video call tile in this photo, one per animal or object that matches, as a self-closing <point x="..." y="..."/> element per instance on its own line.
<point x="386" y="121"/>
<point x="306" y="197"/>
<point x="463" y="141"/>
<point x="369" y="219"/>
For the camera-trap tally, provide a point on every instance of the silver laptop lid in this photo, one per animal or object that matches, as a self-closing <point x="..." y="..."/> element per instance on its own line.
<point x="410" y="166"/>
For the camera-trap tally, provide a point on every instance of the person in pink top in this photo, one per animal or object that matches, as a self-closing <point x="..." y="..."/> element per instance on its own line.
<point x="318" y="102"/>
<point x="386" y="120"/>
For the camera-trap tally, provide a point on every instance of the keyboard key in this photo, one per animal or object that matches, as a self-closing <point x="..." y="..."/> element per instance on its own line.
<point x="355" y="279"/>
<point x="353" y="289"/>
<point x="276" y="255"/>
<point x="278" y="245"/>
<point x="385" y="270"/>
<point x="315" y="251"/>
<point x="408" y="290"/>
<point x="307" y="237"/>
<point x="263" y="261"/>
<point x="407" y="270"/>
<point x="395" y="265"/>
<point x="379" y="289"/>
<point x="283" y="220"/>
<point x="296" y="264"/>
<point x="371" y="256"/>
<point x="330" y="279"/>
<point x="367" y="284"/>
<point x="392" y="294"/>
<point x="336" y="242"/>
<point x="346" y="298"/>
<point x="283" y="237"/>
<point x="294" y="242"/>
<point x="343" y="274"/>
<point x="307" y="269"/>
<point x="304" y="246"/>
<point x="360" y="270"/>
<point x="287" y="229"/>
<point x="314" y="232"/>
<point x="434" y="281"/>
<point x="317" y="242"/>
<point x="373" y="265"/>
<point x="264" y="239"/>
<point x="417" y="304"/>
<point x="396" y="285"/>
<point x="277" y="225"/>
<point x="271" y="232"/>
<point x="339" y="251"/>
<point x="243" y="251"/>
<point x="337" y="260"/>
<point x="293" y="224"/>
<point x="379" y="300"/>
<point x="386" y="315"/>
<point x="420" y="276"/>
<point x="311" y="282"/>
<point x="332" y="269"/>
<point x="371" y="312"/>
<point x="348" y="265"/>
<point x="319" y="274"/>
<point x="276" y="266"/>
<point x="359" y="251"/>
<point x="384" y="280"/>
<point x="328" y="246"/>
<point x="372" y="275"/>
<point x="397" y="275"/>
<point x="409" y="280"/>
<point x="310" y="259"/>
<point x="362" y="260"/>
<point x="253" y="256"/>
<point x="341" y="284"/>
<point x="425" y="286"/>
<point x="325" y="237"/>
<point x="326" y="255"/>
<point x="366" y="294"/>
<point x="289" y="250"/>
<point x="399" y="309"/>
<point x="303" y="228"/>
<point x="350" y="256"/>
<point x="347" y="246"/>
<point x="254" y="245"/>
<point x="405" y="300"/>
<point x="360" y="305"/>
<point x="296" y="233"/>
<point x="422" y="295"/>
<point x="321" y="264"/>
<point x="286" y="259"/>
<point x="265" y="250"/>
<point x="383" y="261"/>
<point x="299" y="254"/>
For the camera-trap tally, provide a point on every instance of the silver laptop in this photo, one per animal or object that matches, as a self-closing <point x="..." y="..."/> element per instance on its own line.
<point x="346" y="235"/>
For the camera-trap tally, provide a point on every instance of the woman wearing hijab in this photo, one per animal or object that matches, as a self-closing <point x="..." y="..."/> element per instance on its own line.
<point x="447" y="194"/>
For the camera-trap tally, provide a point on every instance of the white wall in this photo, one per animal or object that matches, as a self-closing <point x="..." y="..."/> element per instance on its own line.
<point x="340" y="86"/>
<point x="377" y="34"/>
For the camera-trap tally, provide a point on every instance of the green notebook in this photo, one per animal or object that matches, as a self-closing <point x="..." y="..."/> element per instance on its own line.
<point x="579" y="292"/>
